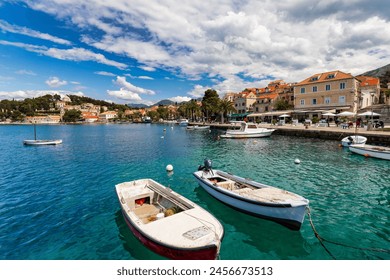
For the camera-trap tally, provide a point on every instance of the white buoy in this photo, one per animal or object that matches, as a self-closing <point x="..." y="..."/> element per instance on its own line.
<point x="297" y="161"/>
<point x="169" y="168"/>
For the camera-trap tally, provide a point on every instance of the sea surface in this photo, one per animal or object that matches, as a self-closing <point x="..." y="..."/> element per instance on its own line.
<point x="59" y="202"/>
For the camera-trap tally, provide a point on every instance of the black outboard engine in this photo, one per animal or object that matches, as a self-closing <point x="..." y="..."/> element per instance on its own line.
<point x="350" y="139"/>
<point x="207" y="166"/>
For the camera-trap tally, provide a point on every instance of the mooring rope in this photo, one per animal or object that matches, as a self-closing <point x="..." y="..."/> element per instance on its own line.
<point x="317" y="235"/>
<point x="322" y="240"/>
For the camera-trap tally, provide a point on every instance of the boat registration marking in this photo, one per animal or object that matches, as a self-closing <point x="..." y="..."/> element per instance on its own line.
<point x="196" y="233"/>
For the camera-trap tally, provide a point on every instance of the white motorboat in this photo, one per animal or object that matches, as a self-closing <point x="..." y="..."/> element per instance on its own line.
<point x="371" y="151"/>
<point x="168" y="223"/>
<point x="248" y="130"/>
<point x="253" y="198"/>
<point x="353" y="139"/>
<point x="183" y="122"/>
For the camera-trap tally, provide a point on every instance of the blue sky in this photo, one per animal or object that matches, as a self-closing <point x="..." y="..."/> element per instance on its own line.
<point x="130" y="51"/>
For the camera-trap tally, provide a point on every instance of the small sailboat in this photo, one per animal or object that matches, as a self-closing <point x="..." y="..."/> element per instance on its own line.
<point x="36" y="142"/>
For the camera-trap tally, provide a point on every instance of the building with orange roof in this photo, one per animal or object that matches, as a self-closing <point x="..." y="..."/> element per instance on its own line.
<point x="327" y="91"/>
<point x="370" y="91"/>
<point x="244" y="102"/>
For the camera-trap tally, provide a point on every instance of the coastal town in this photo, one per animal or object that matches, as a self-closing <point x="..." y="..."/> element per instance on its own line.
<point x="317" y="97"/>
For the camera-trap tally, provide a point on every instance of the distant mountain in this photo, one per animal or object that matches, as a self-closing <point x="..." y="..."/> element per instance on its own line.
<point x="164" y="102"/>
<point x="133" y="105"/>
<point x="380" y="72"/>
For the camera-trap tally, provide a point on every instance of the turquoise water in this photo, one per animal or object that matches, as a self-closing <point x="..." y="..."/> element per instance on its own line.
<point x="59" y="202"/>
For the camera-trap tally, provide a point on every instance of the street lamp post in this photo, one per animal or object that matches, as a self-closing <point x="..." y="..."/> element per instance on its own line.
<point x="372" y="112"/>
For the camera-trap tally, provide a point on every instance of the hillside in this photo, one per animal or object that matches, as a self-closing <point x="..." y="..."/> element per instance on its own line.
<point x="380" y="72"/>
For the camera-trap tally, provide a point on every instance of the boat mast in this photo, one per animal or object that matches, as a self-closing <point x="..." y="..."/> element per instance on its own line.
<point x="35" y="132"/>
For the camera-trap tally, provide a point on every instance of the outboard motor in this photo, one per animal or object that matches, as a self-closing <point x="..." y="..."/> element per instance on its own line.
<point x="350" y="139"/>
<point x="207" y="166"/>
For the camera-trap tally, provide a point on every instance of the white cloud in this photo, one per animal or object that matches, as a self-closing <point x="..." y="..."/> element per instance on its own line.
<point x="81" y="54"/>
<point x="55" y="82"/>
<point x="121" y="81"/>
<point x="125" y="95"/>
<point x="145" y="78"/>
<point x="5" y="26"/>
<point x="148" y="68"/>
<point x="180" y="99"/>
<point x="104" y="73"/>
<point x="73" y="54"/>
<point x="25" y="72"/>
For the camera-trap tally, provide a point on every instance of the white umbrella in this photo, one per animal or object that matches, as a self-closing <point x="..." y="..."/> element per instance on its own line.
<point x="329" y="114"/>
<point x="284" y="116"/>
<point x="369" y="113"/>
<point x="346" y="114"/>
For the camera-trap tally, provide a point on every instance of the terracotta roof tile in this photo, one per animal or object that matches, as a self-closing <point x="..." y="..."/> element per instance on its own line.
<point x="325" y="77"/>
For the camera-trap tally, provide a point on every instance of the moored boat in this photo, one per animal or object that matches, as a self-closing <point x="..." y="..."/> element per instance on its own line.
<point x="168" y="223"/>
<point x="36" y="142"/>
<point x="353" y="139"/>
<point x="248" y="130"/>
<point x="42" y="142"/>
<point x="183" y="122"/>
<point x="252" y="197"/>
<point x="371" y="151"/>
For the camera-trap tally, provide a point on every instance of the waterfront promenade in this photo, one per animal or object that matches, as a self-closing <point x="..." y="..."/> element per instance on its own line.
<point x="333" y="132"/>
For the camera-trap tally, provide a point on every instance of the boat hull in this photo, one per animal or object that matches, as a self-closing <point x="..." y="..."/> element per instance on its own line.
<point x="371" y="151"/>
<point x="210" y="252"/>
<point x="290" y="216"/>
<point x="41" y="142"/>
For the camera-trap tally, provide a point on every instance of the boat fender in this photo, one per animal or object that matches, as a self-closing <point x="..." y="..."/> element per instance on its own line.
<point x="366" y="155"/>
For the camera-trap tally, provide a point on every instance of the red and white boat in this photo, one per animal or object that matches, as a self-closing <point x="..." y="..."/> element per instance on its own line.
<point x="168" y="223"/>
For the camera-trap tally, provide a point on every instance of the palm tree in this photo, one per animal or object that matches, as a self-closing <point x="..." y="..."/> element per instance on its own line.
<point x="225" y="106"/>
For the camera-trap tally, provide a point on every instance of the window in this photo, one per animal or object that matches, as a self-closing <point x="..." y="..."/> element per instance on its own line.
<point x="327" y="87"/>
<point x="302" y="101"/>
<point x="315" y="89"/>
<point x="342" y="85"/>
<point x="314" y="79"/>
<point x="341" y="99"/>
<point x="330" y="76"/>
<point x="314" y="101"/>
<point x="327" y="100"/>
<point x="303" y="90"/>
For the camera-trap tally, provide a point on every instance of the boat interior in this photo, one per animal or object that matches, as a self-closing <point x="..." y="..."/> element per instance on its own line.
<point x="265" y="194"/>
<point x="154" y="203"/>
